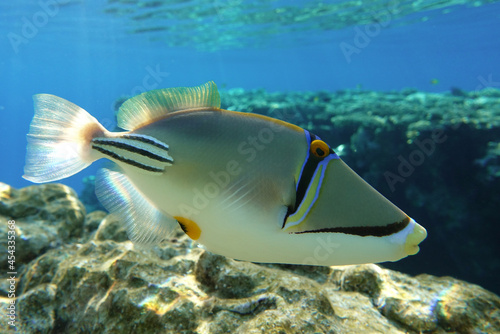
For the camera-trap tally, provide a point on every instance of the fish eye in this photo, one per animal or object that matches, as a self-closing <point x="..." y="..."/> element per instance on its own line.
<point x="320" y="149"/>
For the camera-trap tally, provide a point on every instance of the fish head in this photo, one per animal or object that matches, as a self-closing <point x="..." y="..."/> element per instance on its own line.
<point x="332" y="198"/>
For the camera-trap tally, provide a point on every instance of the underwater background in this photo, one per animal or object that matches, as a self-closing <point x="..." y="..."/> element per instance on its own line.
<point x="373" y="78"/>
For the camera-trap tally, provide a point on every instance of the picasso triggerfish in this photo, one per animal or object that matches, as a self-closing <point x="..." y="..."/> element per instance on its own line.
<point x="243" y="185"/>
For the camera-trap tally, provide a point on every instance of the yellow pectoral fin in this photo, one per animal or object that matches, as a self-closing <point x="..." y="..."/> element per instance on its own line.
<point x="189" y="227"/>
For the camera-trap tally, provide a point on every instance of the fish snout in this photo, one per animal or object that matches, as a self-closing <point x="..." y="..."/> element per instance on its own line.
<point x="414" y="238"/>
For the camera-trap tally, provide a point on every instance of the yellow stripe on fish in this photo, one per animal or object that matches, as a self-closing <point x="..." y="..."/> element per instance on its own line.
<point x="246" y="186"/>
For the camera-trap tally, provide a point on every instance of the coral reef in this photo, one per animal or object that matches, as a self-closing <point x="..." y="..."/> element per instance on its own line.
<point x="94" y="280"/>
<point x="436" y="156"/>
<point x="57" y="206"/>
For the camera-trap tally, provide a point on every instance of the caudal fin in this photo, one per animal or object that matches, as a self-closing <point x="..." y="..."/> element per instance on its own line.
<point x="58" y="139"/>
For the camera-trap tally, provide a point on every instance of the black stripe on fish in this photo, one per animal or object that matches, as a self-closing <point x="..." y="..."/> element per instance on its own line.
<point x="310" y="166"/>
<point x="305" y="179"/>
<point x="128" y="161"/>
<point x="131" y="148"/>
<point x="147" y="140"/>
<point x="364" y="231"/>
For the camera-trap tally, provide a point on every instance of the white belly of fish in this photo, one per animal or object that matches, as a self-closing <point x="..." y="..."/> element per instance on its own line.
<point x="239" y="226"/>
<point x="235" y="236"/>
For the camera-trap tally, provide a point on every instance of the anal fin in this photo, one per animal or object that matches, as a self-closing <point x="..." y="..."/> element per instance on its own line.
<point x="146" y="225"/>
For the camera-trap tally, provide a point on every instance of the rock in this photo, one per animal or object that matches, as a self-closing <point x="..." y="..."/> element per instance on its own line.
<point x="88" y="196"/>
<point x="92" y="222"/>
<point x="217" y="274"/>
<point x="455" y="91"/>
<point x="99" y="285"/>
<point x="45" y="217"/>
<point x="37" y="309"/>
<point x="490" y="163"/>
<point x="110" y="228"/>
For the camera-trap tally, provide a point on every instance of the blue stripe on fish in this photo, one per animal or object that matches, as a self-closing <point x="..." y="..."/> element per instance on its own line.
<point x="306" y="182"/>
<point x="309" y="169"/>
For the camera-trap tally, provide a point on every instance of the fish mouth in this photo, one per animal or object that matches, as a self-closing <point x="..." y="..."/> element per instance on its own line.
<point x="414" y="238"/>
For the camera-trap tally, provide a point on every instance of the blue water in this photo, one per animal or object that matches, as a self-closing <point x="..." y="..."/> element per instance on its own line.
<point x="80" y="53"/>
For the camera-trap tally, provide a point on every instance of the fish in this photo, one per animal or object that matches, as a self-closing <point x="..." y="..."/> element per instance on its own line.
<point x="242" y="185"/>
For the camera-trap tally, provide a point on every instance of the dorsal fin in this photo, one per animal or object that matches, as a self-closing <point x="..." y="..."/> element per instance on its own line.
<point x="153" y="105"/>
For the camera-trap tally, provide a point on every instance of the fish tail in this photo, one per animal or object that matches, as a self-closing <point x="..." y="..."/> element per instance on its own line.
<point x="59" y="139"/>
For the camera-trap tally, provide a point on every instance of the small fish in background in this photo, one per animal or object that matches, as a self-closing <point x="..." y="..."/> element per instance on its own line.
<point x="244" y="185"/>
<point x="434" y="81"/>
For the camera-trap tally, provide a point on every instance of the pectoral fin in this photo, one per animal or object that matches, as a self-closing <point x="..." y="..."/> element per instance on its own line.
<point x="146" y="225"/>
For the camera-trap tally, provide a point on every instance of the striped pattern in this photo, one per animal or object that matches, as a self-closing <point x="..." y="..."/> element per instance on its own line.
<point x="308" y="184"/>
<point x="363" y="231"/>
<point x="143" y="152"/>
<point x="310" y="195"/>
